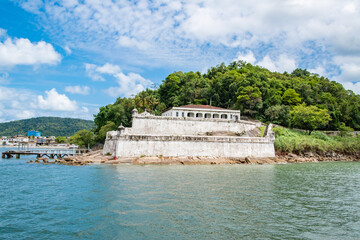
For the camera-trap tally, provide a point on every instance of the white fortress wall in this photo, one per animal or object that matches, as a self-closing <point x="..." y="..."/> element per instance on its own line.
<point x="137" y="146"/>
<point x="185" y="126"/>
<point x="176" y="136"/>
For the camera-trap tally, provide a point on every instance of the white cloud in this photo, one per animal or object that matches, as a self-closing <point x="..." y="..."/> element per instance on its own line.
<point x="33" y="5"/>
<point x="246" y="56"/>
<point x="281" y="64"/>
<point x="126" y="41"/>
<point x="55" y="102"/>
<point x="83" y="90"/>
<point x="198" y="33"/>
<point x="67" y="50"/>
<point x="129" y="85"/>
<point x="22" y="52"/>
<point x="354" y="86"/>
<point x="91" y="70"/>
<point x="18" y="103"/>
<point x="2" y="32"/>
<point x="108" y="69"/>
<point x="349" y="72"/>
<point x="320" y="70"/>
<point x="24" y="114"/>
<point x="84" y="109"/>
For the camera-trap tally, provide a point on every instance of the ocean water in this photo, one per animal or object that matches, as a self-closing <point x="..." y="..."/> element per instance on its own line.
<point x="294" y="201"/>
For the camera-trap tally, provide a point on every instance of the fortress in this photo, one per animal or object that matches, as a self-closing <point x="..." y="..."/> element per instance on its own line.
<point x="191" y="130"/>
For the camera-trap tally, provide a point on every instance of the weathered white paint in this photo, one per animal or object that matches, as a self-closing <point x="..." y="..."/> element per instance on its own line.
<point x="185" y="126"/>
<point x="167" y="136"/>
<point x="142" y="145"/>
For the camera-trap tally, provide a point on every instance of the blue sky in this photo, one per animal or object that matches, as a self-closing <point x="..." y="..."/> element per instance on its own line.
<point x="67" y="58"/>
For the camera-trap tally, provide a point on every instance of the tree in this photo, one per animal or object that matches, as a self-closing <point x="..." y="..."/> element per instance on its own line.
<point x="278" y="114"/>
<point x="309" y="117"/>
<point x="300" y="73"/>
<point x="344" y="130"/>
<point x="250" y="99"/>
<point x="83" y="138"/>
<point x="60" y="139"/>
<point x="291" y="97"/>
<point x="110" y="126"/>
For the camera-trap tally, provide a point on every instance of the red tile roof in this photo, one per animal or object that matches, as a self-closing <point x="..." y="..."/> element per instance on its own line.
<point x="202" y="106"/>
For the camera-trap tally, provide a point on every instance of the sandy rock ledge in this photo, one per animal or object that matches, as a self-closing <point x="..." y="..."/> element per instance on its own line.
<point x="96" y="157"/>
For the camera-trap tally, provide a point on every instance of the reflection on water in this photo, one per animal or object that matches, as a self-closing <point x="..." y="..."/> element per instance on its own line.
<point x="298" y="201"/>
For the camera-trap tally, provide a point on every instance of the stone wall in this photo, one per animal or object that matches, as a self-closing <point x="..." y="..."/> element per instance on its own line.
<point x="185" y="126"/>
<point x="173" y="137"/>
<point x="173" y="146"/>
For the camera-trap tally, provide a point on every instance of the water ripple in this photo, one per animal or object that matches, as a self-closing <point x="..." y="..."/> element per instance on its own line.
<point x="298" y="201"/>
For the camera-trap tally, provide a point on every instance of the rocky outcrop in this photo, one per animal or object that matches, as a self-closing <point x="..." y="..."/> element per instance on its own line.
<point x="96" y="157"/>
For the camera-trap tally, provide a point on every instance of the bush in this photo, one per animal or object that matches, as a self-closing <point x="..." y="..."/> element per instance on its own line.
<point x="292" y="141"/>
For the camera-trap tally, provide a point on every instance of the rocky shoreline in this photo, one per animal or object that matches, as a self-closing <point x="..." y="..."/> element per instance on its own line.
<point x="96" y="157"/>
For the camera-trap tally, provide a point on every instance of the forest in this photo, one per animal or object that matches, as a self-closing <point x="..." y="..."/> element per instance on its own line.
<point x="298" y="100"/>
<point x="48" y="126"/>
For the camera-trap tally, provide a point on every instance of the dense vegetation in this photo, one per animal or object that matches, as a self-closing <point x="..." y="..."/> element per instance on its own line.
<point x="259" y="93"/>
<point x="48" y="126"/>
<point x="293" y="141"/>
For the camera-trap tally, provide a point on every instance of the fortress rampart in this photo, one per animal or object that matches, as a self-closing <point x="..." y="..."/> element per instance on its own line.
<point x="173" y="137"/>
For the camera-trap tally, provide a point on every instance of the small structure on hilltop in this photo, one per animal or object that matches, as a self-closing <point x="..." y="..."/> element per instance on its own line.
<point x="192" y="130"/>
<point x="202" y="111"/>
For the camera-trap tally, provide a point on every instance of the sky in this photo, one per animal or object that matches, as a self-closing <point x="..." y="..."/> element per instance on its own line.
<point x="67" y="58"/>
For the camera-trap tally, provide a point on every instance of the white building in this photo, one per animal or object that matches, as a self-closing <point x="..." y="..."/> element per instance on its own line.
<point x="188" y="131"/>
<point x="202" y="111"/>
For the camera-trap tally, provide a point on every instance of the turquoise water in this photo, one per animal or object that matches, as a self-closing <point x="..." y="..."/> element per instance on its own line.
<point x="295" y="201"/>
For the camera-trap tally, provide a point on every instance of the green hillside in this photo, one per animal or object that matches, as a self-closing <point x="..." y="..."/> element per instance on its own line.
<point x="299" y="99"/>
<point x="48" y="126"/>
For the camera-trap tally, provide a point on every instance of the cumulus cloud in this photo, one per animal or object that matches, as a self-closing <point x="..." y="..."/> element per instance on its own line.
<point x="83" y="90"/>
<point x="128" y="85"/>
<point x="55" y="102"/>
<point x="349" y="72"/>
<point x="320" y="70"/>
<point x="22" y="52"/>
<point x="247" y="57"/>
<point x="18" y="103"/>
<point x="91" y="70"/>
<point x="281" y="64"/>
<point x="2" y="32"/>
<point x="197" y="32"/>
<point x="108" y="69"/>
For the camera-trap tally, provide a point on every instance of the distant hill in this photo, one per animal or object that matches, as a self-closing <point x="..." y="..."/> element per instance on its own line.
<point x="48" y="126"/>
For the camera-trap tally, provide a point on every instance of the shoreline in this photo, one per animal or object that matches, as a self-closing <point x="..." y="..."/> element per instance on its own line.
<point x="96" y="157"/>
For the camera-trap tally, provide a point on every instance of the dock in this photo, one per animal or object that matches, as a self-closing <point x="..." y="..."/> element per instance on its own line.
<point x="50" y="153"/>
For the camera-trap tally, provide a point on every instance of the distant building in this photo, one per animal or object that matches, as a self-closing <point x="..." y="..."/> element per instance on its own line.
<point x="33" y="134"/>
<point x="202" y="111"/>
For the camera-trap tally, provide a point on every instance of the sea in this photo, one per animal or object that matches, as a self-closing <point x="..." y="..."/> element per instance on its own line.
<point x="290" y="201"/>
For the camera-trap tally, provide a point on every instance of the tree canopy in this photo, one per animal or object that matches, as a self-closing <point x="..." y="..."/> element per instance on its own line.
<point x="309" y="117"/>
<point x="256" y="91"/>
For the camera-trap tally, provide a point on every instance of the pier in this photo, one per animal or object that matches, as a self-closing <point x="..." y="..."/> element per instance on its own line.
<point x="50" y="153"/>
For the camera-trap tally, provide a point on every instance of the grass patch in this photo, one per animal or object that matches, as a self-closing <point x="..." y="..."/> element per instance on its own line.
<point x="262" y="130"/>
<point x="299" y="142"/>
